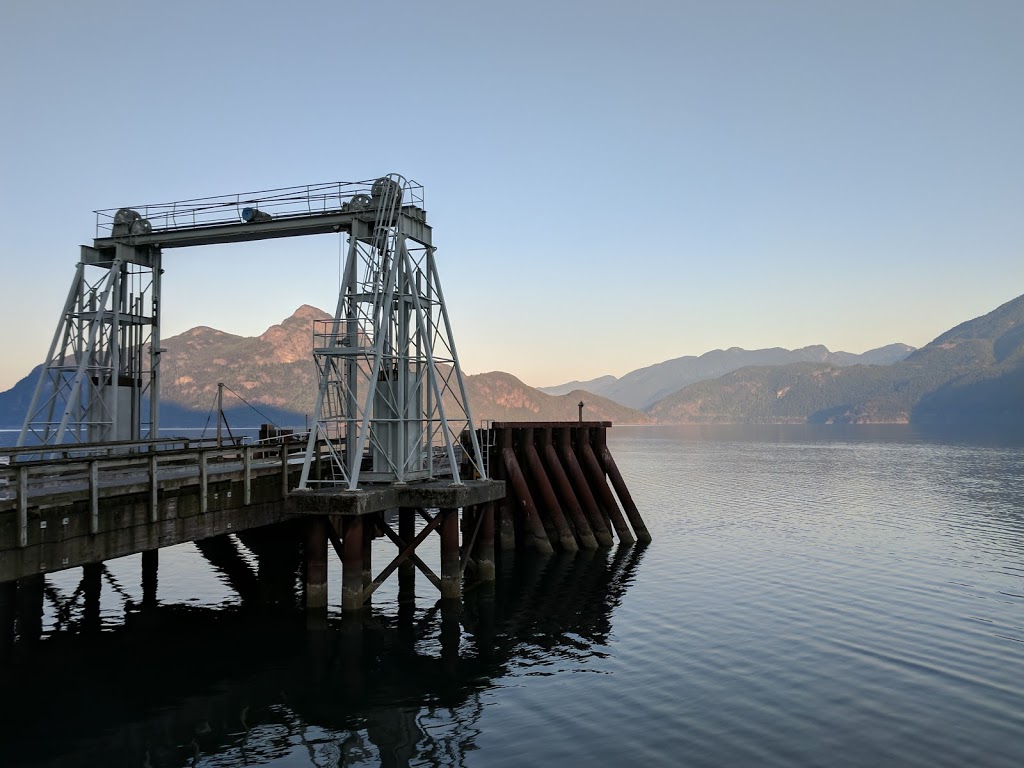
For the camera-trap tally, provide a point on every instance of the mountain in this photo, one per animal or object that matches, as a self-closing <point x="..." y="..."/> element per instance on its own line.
<point x="502" y="397"/>
<point x="275" y="375"/>
<point x="595" y="386"/>
<point x="645" y="386"/>
<point x="15" y="401"/>
<point x="973" y="373"/>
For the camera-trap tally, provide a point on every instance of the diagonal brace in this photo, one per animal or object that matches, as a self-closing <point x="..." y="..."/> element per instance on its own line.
<point x="407" y="552"/>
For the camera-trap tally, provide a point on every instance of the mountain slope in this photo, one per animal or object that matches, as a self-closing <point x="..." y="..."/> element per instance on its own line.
<point x="501" y="396"/>
<point x="645" y="386"/>
<point x="971" y="373"/>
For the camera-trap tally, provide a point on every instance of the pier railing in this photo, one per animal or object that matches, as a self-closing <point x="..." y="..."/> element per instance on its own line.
<point x="92" y="473"/>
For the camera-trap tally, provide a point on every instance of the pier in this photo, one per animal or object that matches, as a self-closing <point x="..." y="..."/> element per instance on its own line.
<point x="392" y="436"/>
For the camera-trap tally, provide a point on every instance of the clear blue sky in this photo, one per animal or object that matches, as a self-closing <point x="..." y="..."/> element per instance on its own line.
<point x="610" y="184"/>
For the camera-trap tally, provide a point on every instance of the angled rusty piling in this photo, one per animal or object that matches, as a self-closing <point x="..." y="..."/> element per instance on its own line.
<point x="599" y="486"/>
<point x="542" y="484"/>
<point x="600" y="441"/>
<point x="569" y="501"/>
<point x="514" y="473"/>
<point x="558" y="475"/>
<point x="582" y="488"/>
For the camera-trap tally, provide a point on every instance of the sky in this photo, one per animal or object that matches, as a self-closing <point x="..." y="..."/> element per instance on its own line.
<point x="610" y="184"/>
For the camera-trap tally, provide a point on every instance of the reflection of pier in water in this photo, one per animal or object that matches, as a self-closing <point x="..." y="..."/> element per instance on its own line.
<point x="253" y="683"/>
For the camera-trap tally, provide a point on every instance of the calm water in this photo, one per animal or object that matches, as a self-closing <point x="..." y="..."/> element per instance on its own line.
<point x="813" y="597"/>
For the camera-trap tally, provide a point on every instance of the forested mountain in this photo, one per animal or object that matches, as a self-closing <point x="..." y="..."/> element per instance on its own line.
<point x="645" y="386"/>
<point x="972" y="373"/>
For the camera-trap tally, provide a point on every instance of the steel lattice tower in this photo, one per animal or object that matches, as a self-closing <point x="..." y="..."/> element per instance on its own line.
<point x="391" y="390"/>
<point x="103" y="362"/>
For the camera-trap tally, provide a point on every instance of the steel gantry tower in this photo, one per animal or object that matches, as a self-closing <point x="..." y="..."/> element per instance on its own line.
<point x="101" y="376"/>
<point x="391" y="402"/>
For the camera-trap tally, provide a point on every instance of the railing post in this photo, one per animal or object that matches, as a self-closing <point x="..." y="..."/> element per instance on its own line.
<point x="154" y="509"/>
<point x="202" y="482"/>
<point x="247" y="475"/>
<point x="94" y="496"/>
<point x="284" y="470"/>
<point x="22" y="506"/>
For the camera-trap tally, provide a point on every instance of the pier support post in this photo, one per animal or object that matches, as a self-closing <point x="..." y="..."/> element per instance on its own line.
<point x="352" y="564"/>
<point x="451" y="577"/>
<point x="485" y="543"/>
<point x="407" y="570"/>
<point x="150" y="567"/>
<point x="316" y="563"/>
<point x="368" y="530"/>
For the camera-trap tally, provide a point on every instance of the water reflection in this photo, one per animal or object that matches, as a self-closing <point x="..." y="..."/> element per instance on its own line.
<point x="175" y="685"/>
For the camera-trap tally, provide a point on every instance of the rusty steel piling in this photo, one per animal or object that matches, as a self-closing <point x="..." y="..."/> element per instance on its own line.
<point x="582" y="488"/>
<point x="451" y="572"/>
<point x="604" y="455"/>
<point x="600" y="486"/>
<point x="584" y="533"/>
<point x="532" y="523"/>
<point x="316" y="563"/>
<point x="352" y="564"/>
<point x="558" y="477"/>
<point x="542" y="484"/>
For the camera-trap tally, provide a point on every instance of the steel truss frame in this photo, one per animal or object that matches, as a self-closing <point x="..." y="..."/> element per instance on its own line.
<point x="103" y="361"/>
<point x="391" y="389"/>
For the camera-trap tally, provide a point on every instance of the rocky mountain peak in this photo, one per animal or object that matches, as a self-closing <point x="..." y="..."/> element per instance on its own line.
<point x="292" y="339"/>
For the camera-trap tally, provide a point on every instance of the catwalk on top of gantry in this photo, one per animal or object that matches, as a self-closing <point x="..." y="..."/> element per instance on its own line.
<point x="391" y="400"/>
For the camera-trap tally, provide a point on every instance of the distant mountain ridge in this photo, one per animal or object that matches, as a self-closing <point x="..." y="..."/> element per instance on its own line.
<point x="973" y="373"/>
<point x="645" y="386"/>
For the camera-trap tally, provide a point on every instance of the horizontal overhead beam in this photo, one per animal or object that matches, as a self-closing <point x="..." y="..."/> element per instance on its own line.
<point x="295" y="226"/>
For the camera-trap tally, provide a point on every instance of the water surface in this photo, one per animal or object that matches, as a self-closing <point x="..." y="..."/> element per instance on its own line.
<point x="814" y="596"/>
